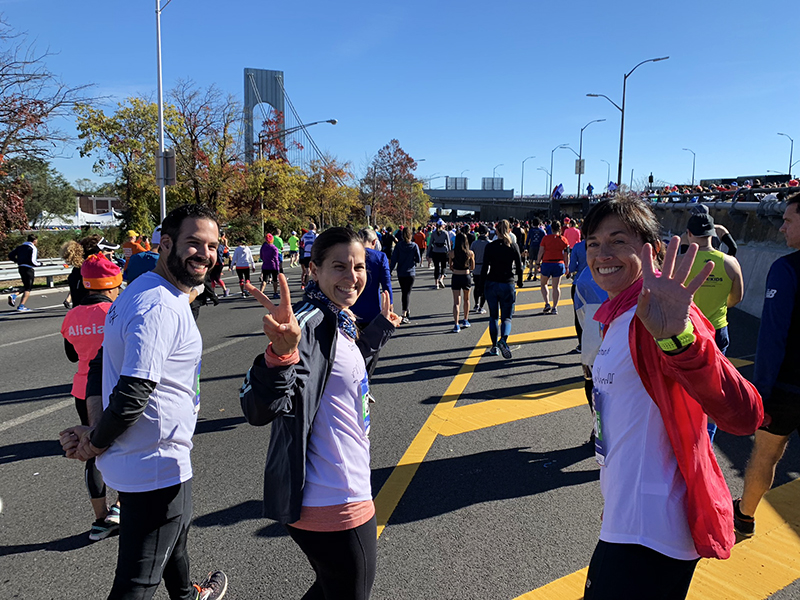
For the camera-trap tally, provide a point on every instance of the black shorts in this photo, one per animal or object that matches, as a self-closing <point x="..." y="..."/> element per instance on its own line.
<point x="461" y="282"/>
<point x="26" y="274"/>
<point x="305" y="261"/>
<point x="533" y="253"/>
<point x="784" y="409"/>
<point x="269" y="273"/>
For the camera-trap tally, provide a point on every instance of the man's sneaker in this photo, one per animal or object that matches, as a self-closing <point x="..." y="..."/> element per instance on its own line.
<point x="405" y="320"/>
<point x="101" y="529"/>
<point x="23" y="308"/>
<point x="476" y="309"/>
<point x="213" y="587"/>
<point x="504" y="349"/>
<point x="113" y="514"/>
<point x="494" y="351"/>
<point x="466" y="324"/>
<point x="743" y="524"/>
<point x="226" y="293"/>
<point x="481" y="311"/>
<point x="12" y="300"/>
<point x="456" y="328"/>
<point x="547" y="310"/>
<point x="554" y="311"/>
<point x="67" y="304"/>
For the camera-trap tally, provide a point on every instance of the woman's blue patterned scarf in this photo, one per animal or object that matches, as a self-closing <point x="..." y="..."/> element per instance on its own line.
<point x="344" y="317"/>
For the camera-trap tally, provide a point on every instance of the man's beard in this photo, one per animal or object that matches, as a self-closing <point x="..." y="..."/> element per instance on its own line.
<point x="181" y="273"/>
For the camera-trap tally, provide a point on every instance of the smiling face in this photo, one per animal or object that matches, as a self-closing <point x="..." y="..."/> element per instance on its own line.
<point x="342" y="275"/>
<point x="791" y="226"/>
<point x="194" y="252"/>
<point x="612" y="253"/>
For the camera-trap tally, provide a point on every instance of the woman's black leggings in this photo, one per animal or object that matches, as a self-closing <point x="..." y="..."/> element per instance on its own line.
<point x="439" y="263"/>
<point x="406" y="283"/>
<point x="91" y="475"/>
<point x="344" y="561"/>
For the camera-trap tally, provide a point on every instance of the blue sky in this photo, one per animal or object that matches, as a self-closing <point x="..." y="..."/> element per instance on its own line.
<point x="468" y="85"/>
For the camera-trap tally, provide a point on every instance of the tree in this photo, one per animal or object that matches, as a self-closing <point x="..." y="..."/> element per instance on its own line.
<point x="389" y="185"/>
<point x="12" y="204"/>
<point x="206" y="155"/>
<point x="48" y="193"/>
<point x="31" y="99"/>
<point x="328" y="200"/>
<point x="125" y="145"/>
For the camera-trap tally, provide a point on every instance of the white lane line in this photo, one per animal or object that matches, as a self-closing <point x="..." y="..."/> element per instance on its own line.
<point x="33" y="339"/>
<point x="36" y="414"/>
<point x="64" y="403"/>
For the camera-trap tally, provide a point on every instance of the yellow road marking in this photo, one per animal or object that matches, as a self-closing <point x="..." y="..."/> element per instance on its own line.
<point x="740" y="362"/>
<point x="757" y="568"/>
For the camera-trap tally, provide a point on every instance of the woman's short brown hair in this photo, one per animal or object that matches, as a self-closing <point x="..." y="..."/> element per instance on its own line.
<point x="634" y="214"/>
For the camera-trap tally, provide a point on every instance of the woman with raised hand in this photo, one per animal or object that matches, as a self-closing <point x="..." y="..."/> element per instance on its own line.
<point x="657" y="375"/>
<point x="312" y="385"/>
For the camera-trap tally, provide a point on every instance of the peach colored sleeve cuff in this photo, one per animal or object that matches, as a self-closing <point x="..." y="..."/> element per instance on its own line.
<point x="273" y="360"/>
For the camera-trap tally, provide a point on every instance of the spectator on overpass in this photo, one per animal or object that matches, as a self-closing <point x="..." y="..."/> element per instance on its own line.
<point x="657" y="374"/>
<point x="26" y="256"/>
<point x="312" y="385"/>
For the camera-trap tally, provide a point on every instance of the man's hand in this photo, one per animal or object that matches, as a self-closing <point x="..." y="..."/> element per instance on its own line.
<point x="75" y="443"/>
<point x="87" y="450"/>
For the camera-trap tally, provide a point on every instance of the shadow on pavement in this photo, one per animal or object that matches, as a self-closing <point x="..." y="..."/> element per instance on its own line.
<point x="43" y="393"/>
<point x="245" y="511"/>
<point x="215" y="425"/>
<point x="27" y="450"/>
<point x="73" y="542"/>
<point x="446" y="485"/>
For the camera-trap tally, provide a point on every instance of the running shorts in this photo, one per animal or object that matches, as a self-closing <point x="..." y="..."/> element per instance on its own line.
<point x="552" y="269"/>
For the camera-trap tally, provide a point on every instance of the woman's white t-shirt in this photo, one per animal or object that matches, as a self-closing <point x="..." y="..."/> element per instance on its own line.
<point x="644" y="492"/>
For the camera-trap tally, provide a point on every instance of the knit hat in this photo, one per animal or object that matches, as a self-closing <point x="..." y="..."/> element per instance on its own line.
<point x="99" y="273"/>
<point x="270" y="238"/>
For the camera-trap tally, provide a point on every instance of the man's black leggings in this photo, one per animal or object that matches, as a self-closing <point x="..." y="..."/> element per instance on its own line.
<point x="633" y="572"/>
<point x="153" y="528"/>
<point x="344" y="561"/>
<point x="439" y="263"/>
<point x="406" y="283"/>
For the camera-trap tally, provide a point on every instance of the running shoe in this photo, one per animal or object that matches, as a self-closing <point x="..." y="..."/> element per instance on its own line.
<point x="466" y="324"/>
<point x="405" y="320"/>
<point x="23" y="308"/>
<point x="302" y="288"/>
<point x="504" y="349"/>
<point x="535" y="279"/>
<point x="547" y="310"/>
<point x="481" y="311"/>
<point x="743" y="524"/>
<point x="226" y="293"/>
<point x="456" y="329"/>
<point x="476" y="309"/>
<point x="494" y="351"/>
<point x="101" y="529"/>
<point x="213" y="587"/>
<point x="67" y="304"/>
<point x="113" y="514"/>
<point x="554" y="311"/>
<point x="12" y="300"/>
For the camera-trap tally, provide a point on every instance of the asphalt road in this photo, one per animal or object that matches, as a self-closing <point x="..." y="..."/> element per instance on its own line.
<point x="496" y="493"/>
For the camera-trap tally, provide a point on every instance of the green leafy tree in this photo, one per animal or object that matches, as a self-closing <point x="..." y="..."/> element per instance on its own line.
<point x="48" y="193"/>
<point x="328" y="200"/>
<point x="125" y="145"/>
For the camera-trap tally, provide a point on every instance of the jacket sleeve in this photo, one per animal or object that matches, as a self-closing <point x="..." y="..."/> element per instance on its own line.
<point x="374" y="336"/>
<point x="126" y="404"/>
<point x="386" y="276"/>
<point x="710" y="378"/>
<point x="267" y="392"/>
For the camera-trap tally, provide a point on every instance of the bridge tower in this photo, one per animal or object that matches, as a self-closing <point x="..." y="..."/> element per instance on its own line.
<point x="260" y="85"/>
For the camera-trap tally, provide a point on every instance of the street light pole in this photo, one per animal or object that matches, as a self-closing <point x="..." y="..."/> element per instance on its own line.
<point x="160" y="179"/>
<point x="694" y="156"/>
<point x="580" y="152"/>
<point x="622" y="109"/>
<point x="550" y="173"/>
<point x="608" y="172"/>
<point x="546" y="179"/>
<point x="495" y="169"/>
<point x="522" y="183"/>
<point x="791" y="151"/>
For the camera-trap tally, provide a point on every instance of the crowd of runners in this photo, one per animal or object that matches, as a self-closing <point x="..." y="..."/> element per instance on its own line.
<point x="659" y="399"/>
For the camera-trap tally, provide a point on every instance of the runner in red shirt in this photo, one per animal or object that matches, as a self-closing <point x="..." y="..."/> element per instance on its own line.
<point x="553" y="252"/>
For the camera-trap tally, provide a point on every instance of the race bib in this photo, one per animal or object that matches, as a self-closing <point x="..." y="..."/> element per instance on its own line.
<point x="365" y="398"/>
<point x="599" y="442"/>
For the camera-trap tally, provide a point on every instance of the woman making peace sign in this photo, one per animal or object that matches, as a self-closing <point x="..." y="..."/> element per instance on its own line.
<point x="311" y="384"/>
<point x="657" y="375"/>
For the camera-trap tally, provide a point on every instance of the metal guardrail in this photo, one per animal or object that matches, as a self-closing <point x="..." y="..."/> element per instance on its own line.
<point x="47" y="271"/>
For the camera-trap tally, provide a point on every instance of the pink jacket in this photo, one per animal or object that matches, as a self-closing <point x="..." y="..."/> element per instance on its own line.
<point x="686" y="387"/>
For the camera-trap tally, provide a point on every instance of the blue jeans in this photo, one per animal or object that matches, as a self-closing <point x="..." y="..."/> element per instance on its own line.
<point x="500" y="299"/>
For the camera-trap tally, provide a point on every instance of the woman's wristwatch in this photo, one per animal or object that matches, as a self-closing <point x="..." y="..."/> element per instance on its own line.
<point x="678" y="342"/>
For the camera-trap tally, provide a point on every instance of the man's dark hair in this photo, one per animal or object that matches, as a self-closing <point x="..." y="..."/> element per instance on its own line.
<point x="794" y="199"/>
<point x="32" y="237"/>
<point x="174" y="220"/>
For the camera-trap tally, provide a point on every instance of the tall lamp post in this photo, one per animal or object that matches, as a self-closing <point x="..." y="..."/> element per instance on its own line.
<point x="160" y="179"/>
<point x="546" y="179"/>
<point x="622" y="109"/>
<point x="522" y="183"/>
<point x="694" y="157"/>
<point x="580" y="153"/>
<point x="608" y="172"/>
<point x="550" y="173"/>
<point x="495" y="169"/>
<point x="791" y="151"/>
